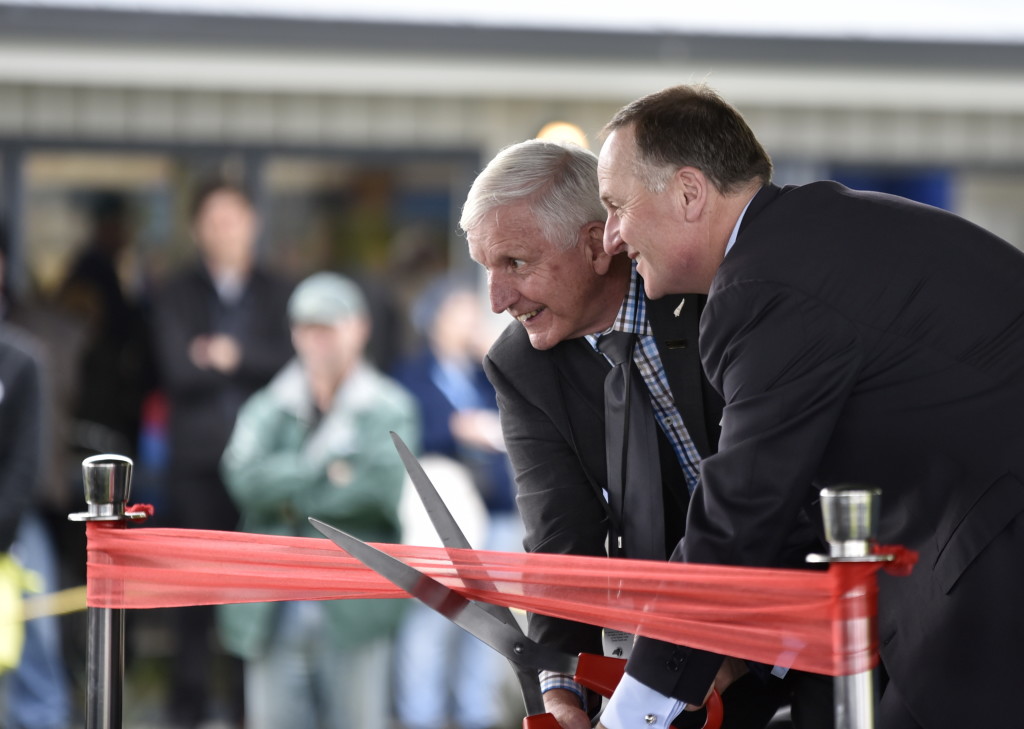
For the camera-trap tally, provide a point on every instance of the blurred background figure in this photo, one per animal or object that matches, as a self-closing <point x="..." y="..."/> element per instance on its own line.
<point x="441" y="671"/>
<point x="220" y="333"/>
<point x="34" y="489"/>
<point x="34" y="695"/>
<point x="314" y="442"/>
<point x="116" y="361"/>
<point x="418" y="255"/>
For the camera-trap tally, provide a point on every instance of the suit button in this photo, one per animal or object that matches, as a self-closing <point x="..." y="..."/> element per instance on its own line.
<point x="672" y="665"/>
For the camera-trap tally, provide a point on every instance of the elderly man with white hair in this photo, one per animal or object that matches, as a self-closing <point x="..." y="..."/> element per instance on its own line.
<point x="535" y="222"/>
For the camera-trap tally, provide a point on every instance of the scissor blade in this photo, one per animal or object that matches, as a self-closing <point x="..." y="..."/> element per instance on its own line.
<point x="444" y="523"/>
<point x="468" y="615"/>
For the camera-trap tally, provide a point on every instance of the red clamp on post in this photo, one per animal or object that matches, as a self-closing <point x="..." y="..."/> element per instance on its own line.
<point x="900" y="560"/>
<point x="139" y="512"/>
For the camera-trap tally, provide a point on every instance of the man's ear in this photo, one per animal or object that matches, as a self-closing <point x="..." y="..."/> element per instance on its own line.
<point x="591" y="239"/>
<point x="692" y="189"/>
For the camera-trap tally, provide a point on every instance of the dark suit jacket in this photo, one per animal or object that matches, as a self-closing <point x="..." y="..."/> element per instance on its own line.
<point x="204" y="403"/>
<point x="860" y="338"/>
<point x="552" y="414"/>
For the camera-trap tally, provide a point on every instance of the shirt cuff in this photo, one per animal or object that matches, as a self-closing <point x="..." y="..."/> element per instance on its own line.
<point x="635" y="704"/>
<point x="550" y="680"/>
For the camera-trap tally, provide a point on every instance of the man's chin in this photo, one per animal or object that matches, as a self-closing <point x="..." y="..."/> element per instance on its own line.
<point x="653" y="289"/>
<point x="541" y="339"/>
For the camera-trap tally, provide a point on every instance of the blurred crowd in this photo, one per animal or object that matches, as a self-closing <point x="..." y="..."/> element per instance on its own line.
<point x="249" y="402"/>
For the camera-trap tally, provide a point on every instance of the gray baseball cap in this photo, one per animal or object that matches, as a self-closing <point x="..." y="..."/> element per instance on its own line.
<point x="325" y="298"/>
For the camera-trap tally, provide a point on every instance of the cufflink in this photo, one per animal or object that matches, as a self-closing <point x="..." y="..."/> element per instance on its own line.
<point x="650" y="719"/>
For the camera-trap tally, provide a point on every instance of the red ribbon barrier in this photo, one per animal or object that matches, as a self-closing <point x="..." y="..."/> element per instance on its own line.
<point x="774" y="616"/>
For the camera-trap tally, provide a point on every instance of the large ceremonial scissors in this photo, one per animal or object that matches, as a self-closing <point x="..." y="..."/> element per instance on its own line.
<point x="493" y="624"/>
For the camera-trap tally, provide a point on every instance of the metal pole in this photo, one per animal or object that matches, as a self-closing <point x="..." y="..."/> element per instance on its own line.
<point x="851" y="525"/>
<point x="107" y="479"/>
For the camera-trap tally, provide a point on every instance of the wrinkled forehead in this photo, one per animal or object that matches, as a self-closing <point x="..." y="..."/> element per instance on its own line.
<point x="504" y="230"/>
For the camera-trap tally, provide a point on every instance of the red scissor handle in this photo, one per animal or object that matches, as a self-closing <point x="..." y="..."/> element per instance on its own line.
<point x="541" y="721"/>
<point x="602" y="674"/>
<point x="716" y="712"/>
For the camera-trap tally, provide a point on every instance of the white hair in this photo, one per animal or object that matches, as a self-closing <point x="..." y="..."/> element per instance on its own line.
<point x="558" y="179"/>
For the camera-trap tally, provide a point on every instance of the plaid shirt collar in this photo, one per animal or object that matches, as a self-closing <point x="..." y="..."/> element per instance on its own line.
<point x="632" y="316"/>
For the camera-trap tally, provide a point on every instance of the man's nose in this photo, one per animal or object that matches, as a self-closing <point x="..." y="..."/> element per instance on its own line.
<point x="502" y="294"/>
<point x="612" y="240"/>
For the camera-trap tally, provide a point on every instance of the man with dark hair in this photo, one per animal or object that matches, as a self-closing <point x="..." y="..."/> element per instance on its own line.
<point x="856" y="338"/>
<point x="220" y="334"/>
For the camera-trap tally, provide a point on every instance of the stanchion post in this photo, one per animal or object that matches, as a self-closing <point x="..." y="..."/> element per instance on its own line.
<point x="851" y="524"/>
<point x="107" y="480"/>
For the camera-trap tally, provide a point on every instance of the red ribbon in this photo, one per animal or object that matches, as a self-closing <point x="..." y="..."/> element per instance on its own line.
<point x="779" y="617"/>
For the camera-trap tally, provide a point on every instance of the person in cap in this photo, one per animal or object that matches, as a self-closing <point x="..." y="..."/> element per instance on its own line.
<point x="314" y="442"/>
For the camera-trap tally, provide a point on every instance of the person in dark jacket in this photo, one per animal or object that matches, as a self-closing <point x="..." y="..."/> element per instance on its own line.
<point x="856" y="338"/>
<point x="221" y="333"/>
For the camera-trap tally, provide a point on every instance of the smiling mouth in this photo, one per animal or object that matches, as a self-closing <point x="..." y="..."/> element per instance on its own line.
<point x="523" y="318"/>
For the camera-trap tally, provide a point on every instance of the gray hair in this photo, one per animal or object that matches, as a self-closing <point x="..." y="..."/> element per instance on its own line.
<point x="558" y="179"/>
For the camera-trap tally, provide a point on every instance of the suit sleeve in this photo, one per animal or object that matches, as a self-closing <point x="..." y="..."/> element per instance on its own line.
<point x="560" y="511"/>
<point x="785" y="364"/>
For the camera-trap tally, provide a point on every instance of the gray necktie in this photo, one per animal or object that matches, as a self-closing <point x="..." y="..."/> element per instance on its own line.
<point x="631" y="442"/>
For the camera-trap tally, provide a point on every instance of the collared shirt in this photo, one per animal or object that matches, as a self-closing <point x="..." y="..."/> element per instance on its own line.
<point x="632" y="318"/>
<point x="736" y="228"/>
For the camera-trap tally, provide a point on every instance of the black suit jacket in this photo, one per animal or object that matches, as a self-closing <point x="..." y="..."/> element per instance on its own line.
<point x="203" y="402"/>
<point x="860" y="338"/>
<point x="552" y="414"/>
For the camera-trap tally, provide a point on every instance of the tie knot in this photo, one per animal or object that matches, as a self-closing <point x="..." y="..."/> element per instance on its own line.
<point x="616" y="346"/>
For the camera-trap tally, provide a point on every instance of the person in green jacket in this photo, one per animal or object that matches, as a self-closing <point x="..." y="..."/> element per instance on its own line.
<point x="314" y="442"/>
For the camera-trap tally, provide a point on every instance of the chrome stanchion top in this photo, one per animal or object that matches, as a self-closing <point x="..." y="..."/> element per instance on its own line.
<point x="850" y="515"/>
<point x="107" y="480"/>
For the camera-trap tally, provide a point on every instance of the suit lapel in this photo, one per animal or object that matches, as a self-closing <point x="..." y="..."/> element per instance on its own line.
<point x="675" y="321"/>
<point x="580" y="379"/>
<point x="582" y="371"/>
